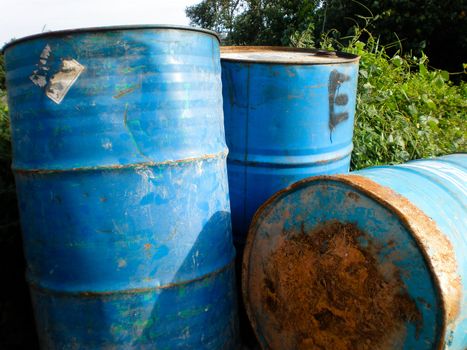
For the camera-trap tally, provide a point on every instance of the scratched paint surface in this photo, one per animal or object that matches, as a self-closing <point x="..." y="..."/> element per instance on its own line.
<point x="425" y="194"/>
<point x="284" y="122"/>
<point x="439" y="188"/>
<point x="122" y="189"/>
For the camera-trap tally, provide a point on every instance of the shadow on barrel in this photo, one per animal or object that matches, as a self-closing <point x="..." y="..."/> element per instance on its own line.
<point x="204" y="308"/>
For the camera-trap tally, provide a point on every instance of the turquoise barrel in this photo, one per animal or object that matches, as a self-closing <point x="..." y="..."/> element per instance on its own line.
<point x="375" y="259"/>
<point x="289" y="114"/>
<point x="120" y="167"/>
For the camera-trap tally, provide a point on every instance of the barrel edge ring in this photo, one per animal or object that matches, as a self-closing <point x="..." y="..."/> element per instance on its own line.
<point x="64" y="32"/>
<point x="341" y="57"/>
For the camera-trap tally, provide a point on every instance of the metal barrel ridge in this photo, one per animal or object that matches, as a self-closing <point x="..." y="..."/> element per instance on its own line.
<point x="411" y="221"/>
<point x="289" y="115"/>
<point x="120" y="165"/>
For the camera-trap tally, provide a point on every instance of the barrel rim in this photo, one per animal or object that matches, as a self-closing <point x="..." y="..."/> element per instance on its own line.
<point x="418" y="226"/>
<point x="334" y="56"/>
<point x="64" y="32"/>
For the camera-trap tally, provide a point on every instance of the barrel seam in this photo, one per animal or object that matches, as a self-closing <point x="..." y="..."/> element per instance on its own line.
<point x="37" y="287"/>
<point x="219" y="155"/>
<point x="291" y="165"/>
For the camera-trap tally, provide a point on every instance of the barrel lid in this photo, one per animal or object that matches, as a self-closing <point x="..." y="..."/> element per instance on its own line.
<point x="400" y="242"/>
<point x="284" y="55"/>
<point x="64" y="32"/>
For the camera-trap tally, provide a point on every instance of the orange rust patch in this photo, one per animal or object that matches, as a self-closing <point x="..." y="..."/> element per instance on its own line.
<point x="147" y="246"/>
<point x="353" y="196"/>
<point x="322" y="290"/>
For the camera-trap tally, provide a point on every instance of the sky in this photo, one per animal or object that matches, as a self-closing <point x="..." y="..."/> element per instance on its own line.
<point x="26" y="17"/>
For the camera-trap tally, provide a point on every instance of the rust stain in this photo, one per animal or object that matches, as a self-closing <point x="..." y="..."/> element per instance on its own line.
<point x="347" y="289"/>
<point x="353" y="196"/>
<point x="219" y="155"/>
<point x="147" y="246"/>
<point x="126" y="91"/>
<point x="334" y="56"/>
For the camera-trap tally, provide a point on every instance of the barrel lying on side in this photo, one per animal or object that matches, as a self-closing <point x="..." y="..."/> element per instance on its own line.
<point x="288" y="115"/>
<point x="371" y="260"/>
<point x="119" y="158"/>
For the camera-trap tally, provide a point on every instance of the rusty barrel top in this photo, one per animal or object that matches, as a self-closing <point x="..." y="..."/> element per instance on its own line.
<point x="412" y="216"/>
<point x="284" y="55"/>
<point x="119" y="159"/>
<point x="288" y="115"/>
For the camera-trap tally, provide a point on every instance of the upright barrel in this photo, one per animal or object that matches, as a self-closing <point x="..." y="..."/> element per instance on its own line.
<point x="288" y="115"/>
<point x="375" y="259"/>
<point x="119" y="158"/>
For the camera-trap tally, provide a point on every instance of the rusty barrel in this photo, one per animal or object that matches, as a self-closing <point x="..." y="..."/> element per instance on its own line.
<point x="289" y="114"/>
<point x="119" y="159"/>
<point x="375" y="259"/>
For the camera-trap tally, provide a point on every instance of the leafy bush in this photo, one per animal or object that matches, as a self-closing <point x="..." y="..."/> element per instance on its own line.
<point x="404" y="109"/>
<point x="4" y="127"/>
<point x="436" y="27"/>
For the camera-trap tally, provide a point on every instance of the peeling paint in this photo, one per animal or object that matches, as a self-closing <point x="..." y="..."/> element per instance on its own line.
<point x="39" y="75"/>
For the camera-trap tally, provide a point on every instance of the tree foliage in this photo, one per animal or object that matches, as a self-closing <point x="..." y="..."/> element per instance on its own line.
<point x="435" y="27"/>
<point x="254" y="22"/>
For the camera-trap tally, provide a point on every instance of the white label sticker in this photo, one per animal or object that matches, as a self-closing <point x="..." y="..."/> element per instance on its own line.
<point x="63" y="80"/>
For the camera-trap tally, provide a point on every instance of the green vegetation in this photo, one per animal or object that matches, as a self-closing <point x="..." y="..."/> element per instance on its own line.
<point x="7" y="190"/>
<point x="404" y="109"/>
<point x="253" y="22"/>
<point x="4" y="121"/>
<point x="435" y="27"/>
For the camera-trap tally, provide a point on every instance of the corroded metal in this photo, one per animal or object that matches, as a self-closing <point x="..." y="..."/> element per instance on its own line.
<point x="222" y="154"/>
<point x="416" y="212"/>
<point x="120" y="166"/>
<point x="288" y="115"/>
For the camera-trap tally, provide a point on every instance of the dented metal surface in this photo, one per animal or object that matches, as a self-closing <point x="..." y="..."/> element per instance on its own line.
<point x="122" y="188"/>
<point x="417" y="212"/>
<point x="288" y="115"/>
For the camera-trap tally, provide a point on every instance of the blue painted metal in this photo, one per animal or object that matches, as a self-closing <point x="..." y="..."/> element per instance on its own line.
<point x="288" y="115"/>
<point x="122" y="187"/>
<point x="416" y="213"/>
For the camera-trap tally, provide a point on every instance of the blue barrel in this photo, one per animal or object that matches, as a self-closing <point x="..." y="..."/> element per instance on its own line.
<point x="289" y="114"/>
<point x="120" y="166"/>
<point x="408" y="259"/>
